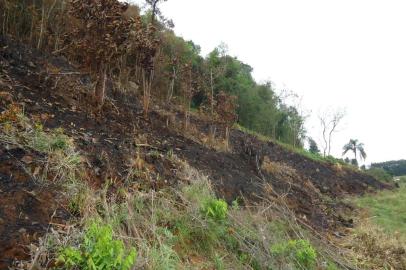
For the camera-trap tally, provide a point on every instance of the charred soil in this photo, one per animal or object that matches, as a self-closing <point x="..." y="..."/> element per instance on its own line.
<point x="54" y="92"/>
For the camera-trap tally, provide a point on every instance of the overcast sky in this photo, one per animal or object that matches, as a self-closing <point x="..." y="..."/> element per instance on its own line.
<point x="336" y="54"/>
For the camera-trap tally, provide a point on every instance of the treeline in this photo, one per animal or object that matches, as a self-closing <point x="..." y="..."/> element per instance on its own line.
<point x="141" y="53"/>
<point x="395" y="168"/>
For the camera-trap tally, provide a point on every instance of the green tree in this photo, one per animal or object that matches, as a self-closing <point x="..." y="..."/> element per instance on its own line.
<point x="313" y="148"/>
<point x="356" y="147"/>
<point x="395" y="167"/>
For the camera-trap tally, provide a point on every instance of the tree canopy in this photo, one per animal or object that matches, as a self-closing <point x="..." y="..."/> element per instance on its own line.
<point x="357" y="148"/>
<point x="395" y="167"/>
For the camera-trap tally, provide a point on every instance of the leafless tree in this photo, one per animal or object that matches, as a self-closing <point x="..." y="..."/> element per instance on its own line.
<point x="155" y="11"/>
<point x="329" y="121"/>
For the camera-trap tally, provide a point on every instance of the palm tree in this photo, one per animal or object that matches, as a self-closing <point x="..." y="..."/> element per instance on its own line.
<point x="356" y="147"/>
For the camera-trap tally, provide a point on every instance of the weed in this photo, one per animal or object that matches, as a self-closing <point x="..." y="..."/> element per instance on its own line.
<point x="171" y="226"/>
<point x="331" y="266"/>
<point x="218" y="262"/>
<point x="47" y="142"/>
<point x="300" y="251"/>
<point x="79" y="196"/>
<point x="98" y="250"/>
<point x="163" y="256"/>
<point x="64" y="166"/>
<point x="170" y="154"/>
<point x="215" y="209"/>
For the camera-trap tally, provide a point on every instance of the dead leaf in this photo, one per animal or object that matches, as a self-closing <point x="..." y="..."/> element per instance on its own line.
<point x="6" y="96"/>
<point x="44" y="116"/>
<point x="27" y="159"/>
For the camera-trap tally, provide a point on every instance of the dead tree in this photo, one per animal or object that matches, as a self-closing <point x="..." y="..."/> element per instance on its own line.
<point x="173" y="76"/>
<point x="187" y="92"/>
<point x="226" y="113"/>
<point x="329" y="122"/>
<point x="140" y="58"/>
<point x="155" y="11"/>
<point x="99" y="38"/>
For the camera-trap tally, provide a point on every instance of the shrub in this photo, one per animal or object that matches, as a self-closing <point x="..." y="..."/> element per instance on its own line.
<point x="301" y="251"/>
<point x="331" y="266"/>
<point x="380" y="174"/>
<point x="59" y="141"/>
<point x="98" y="251"/>
<point x="402" y="179"/>
<point x="215" y="209"/>
<point x="42" y="141"/>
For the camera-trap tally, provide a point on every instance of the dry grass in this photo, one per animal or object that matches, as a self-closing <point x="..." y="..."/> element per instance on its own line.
<point x="278" y="169"/>
<point x="170" y="231"/>
<point x="373" y="248"/>
<point x="379" y="241"/>
<point x="216" y="143"/>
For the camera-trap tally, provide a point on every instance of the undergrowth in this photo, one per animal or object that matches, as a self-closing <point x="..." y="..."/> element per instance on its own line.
<point x="379" y="239"/>
<point x="97" y="250"/>
<point x="186" y="227"/>
<point x="61" y="162"/>
<point x="387" y="209"/>
<point x="182" y="227"/>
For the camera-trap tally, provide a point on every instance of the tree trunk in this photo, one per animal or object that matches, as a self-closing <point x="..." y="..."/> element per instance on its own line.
<point x="154" y="12"/>
<point x="41" y="33"/>
<point x="172" y="85"/>
<point x="100" y="89"/>
<point x="227" y="137"/>
<point x="325" y="146"/>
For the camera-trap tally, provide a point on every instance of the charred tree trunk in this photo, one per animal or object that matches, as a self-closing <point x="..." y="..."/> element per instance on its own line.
<point x="100" y="89"/>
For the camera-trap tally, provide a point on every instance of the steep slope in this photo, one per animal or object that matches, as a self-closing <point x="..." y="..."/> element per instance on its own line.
<point x="54" y="93"/>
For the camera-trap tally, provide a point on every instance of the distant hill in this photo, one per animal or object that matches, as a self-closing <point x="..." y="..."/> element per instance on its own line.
<point x="394" y="167"/>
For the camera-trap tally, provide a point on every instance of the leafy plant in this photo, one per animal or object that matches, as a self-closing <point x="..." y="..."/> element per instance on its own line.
<point x="218" y="262"/>
<point x="301" y="251"/>
<point x="47" y="142"/>
<point x="331" y="266"/>
<point x="215" y="209"/>
<point x="380" y="174"/>
<point x="98" y="251"/>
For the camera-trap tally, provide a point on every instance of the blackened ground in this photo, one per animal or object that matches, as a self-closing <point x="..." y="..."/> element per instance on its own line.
<point x="26" y="208"/>
<point x="54" y="92"/>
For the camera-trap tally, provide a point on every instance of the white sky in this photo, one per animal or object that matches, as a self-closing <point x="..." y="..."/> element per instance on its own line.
<point x="347" y="53"/>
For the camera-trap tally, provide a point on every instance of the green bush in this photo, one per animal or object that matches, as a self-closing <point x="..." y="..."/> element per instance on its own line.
<point x="59" y="141"/>
<point x="301" y="251"/>
<point x="380" y="174"/>
<point x="98" y="251"/>
<point x="402" y="179"/>
<point x="215" y="209"/>
<point x="47" y="142"/>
